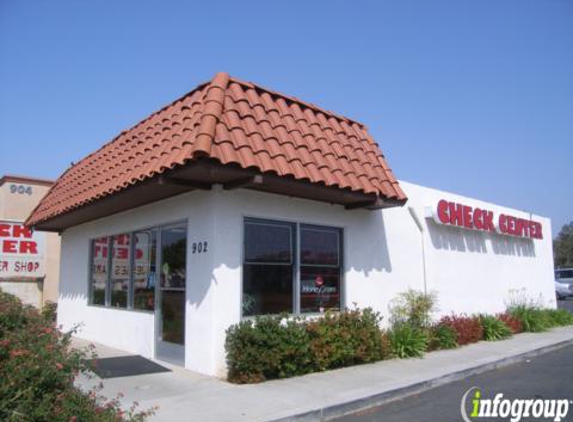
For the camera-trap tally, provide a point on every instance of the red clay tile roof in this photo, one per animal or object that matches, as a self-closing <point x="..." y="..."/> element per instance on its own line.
<point x="231" y="121"/>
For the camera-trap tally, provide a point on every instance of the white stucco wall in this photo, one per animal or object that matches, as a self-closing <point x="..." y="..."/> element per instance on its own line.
<point x="470" y="271"/>
<point x="473" y="271"/>
<point x="29" y="292"/>
<point x="132" y="331"/>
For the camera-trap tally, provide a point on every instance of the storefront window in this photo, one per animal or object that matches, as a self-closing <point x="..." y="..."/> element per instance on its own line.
<point x="99" y="270"/>
<point x="172" y="283"/>
<point x="144" y="270"/>
<point x="319" y="269"/>
<point x="268" y="268"/>
<point x="124" y="269"/>
<point x="120" y="270"/>
<point x="269" y="277"/>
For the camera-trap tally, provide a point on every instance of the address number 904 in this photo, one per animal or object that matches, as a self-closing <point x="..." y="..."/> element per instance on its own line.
<point x="21" y="189"/>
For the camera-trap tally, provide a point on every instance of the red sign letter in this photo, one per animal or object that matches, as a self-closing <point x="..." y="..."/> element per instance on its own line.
<point x="443" y="211"/>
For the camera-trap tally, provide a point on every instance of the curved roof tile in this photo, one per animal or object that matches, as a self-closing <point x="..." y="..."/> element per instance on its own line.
<point x="232" y="121"/>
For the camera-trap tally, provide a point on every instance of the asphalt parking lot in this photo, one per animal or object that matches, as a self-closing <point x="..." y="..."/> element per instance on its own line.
<point x="544" y="377"/>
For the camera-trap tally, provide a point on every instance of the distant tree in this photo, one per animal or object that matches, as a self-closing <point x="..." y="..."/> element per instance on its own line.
<point x="563" y="247"/>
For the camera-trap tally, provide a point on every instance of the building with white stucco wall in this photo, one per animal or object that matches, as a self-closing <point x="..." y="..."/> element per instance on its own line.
<point x="236" y="201"/>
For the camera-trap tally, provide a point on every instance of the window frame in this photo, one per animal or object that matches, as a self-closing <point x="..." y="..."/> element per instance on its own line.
<point x="340" y="240"/>
<point x="561" y="273"/>
<point x="112" y="250"/>
<point x="272" y="223"/>
<point x="155" y="230"/>
<point x="324" y="229"/>
<point x="107" y="270"/>
<point x="292" y="264"/>
<point x="296" y="261"/>
<point x="131" y="291"/>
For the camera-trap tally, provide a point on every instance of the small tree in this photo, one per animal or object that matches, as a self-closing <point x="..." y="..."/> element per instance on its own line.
<point x="563" y="247"/>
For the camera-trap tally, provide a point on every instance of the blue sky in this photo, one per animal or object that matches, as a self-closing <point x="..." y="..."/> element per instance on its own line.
<point x="475" y="97"/>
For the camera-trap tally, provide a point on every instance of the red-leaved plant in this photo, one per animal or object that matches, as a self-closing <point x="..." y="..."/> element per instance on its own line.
<point x="468" y="328"/>
<point x="514" y="324"/>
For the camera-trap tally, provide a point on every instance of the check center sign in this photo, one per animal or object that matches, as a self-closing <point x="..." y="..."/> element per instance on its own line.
<point x="474" y="218"/>
<point x="21" y="251"/>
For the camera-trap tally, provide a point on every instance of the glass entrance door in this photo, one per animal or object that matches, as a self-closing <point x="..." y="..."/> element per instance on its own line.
<point x="171" y="294"/>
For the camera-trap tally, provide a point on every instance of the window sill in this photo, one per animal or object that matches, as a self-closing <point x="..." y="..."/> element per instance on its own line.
<point x="310" y="316"/>
<point x="112" y="308"/>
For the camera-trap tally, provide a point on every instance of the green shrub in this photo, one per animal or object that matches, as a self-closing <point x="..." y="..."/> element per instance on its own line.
<point x="266" y="348"/>
<point x="442" y="337"/>
<point x="494" y="329"/>
<point x="559" y="317"/>
<point x="345" y="338"/>
<point x="532" y="314"/>
<point x="528" y="311"/>
<point x="386" y="350"/>
<point x="50" y="311"/>
<point x="414" y="308"/>
<point x="37" y="372"/>
<point x="533" y="319"/>
<point x="272" y="347"/>
<point x="408" y="341"/>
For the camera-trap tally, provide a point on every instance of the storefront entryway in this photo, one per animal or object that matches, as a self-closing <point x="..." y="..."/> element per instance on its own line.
<point x="170" y="345"/>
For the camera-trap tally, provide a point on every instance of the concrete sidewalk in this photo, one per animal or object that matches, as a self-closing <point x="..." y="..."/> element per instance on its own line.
<point x="185" y="396"/>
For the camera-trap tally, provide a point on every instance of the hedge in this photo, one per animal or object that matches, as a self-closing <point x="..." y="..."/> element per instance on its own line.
<point x="271" y="347"/>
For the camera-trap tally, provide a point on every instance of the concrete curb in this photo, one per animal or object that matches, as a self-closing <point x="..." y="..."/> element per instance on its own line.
<point x="341" y="409"/>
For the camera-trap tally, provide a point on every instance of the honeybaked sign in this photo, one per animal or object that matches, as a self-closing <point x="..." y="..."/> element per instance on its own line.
<point x="21" y="251"/>
<point x="474" y="218"/>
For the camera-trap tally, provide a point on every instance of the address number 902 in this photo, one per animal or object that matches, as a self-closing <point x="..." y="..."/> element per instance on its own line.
<point x="199" y="247"/>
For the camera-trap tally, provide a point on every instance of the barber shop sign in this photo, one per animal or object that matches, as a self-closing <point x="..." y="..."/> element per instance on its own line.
<point x="21" y="251"/>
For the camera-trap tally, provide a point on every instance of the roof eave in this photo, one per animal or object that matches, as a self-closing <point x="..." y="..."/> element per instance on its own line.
<point x="201" y="175"/>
